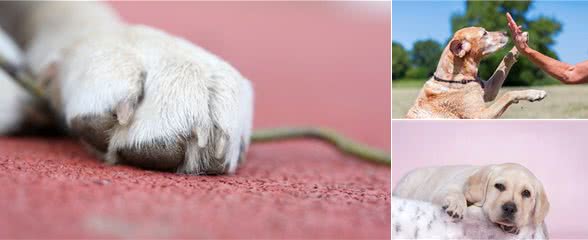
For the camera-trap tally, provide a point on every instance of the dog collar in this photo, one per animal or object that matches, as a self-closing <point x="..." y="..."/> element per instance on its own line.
<point x="463" y="81"/>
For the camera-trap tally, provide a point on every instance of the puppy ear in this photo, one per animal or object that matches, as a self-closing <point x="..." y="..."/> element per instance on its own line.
<point x="460" y="48"/>
<point x="477" y="185"/>
<point x="541" y="206"/>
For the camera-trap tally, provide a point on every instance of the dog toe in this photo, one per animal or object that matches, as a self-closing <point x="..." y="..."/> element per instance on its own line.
<point x="94" y="129"/>
<point x="158" y="154"/>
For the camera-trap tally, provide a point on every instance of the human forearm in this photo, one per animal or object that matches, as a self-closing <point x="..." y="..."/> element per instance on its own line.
<point x="559" y="70"/>
<point x="566" y="73"/>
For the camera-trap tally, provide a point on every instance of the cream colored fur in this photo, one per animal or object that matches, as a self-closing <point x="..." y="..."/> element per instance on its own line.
<point x="457" y="187"/>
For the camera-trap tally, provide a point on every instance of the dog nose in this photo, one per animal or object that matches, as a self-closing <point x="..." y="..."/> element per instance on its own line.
<point x="509" y="208"/>
<point x="505" y="33"/>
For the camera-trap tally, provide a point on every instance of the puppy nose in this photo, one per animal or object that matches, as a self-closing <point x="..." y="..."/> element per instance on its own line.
<point x="509" y="208"/>
<point x="505" y="33"/>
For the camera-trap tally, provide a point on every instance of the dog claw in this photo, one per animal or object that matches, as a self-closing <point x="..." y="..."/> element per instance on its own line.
<point x="220" y="147"/>
<point x="124" y="112"/>
<point x="202" y="137"/>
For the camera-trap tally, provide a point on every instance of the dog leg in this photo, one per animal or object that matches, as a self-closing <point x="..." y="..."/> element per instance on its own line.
<point x="497" y="109"/>
<point x="492" y="86"/>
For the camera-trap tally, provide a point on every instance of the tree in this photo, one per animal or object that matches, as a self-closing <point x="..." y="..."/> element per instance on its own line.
<point x="400" y="61"/>
<point x="425" y="54"/>
<point x="491" y="15"/>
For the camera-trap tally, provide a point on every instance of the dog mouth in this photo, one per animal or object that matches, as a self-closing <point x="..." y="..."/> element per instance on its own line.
<point x="508" y="228"/>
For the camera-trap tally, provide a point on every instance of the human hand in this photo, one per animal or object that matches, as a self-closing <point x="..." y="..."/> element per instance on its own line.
<point x="519" y="38"/>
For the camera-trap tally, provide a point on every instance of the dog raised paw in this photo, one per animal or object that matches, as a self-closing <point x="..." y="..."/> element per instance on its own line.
<point x="144" y="98"/>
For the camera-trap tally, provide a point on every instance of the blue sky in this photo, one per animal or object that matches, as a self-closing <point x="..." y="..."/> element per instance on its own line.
<point x="417" y="20"/>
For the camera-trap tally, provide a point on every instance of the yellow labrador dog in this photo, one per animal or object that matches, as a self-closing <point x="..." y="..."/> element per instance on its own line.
<point x="456" y="91"/>
<point x="509" y="194"/>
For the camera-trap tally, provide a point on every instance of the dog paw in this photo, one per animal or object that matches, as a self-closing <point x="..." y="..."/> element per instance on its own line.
<point x="147" y="104"/>
<point x="455" y="207"/>
<point x="525" y="36"/>
<point x="535" y="95"/>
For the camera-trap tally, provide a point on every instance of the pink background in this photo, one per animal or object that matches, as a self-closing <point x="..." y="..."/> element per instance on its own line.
<point x="555" y="151"/>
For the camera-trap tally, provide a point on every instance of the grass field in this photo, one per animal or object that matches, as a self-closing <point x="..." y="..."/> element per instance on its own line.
<point x="562" y="101"/>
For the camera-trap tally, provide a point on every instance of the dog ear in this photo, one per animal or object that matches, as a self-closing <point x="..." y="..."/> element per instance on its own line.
<point x="460" y="48"/>
<point x="477" y="185"/>
<point x="541" y="206"/>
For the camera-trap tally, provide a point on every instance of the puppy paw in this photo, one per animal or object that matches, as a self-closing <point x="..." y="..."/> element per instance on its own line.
<point x="455" y="206"/>
<point x="157" y="107"/>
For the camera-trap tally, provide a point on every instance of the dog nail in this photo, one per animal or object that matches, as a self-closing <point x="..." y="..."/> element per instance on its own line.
<point x="124" y="112"/>
<point x="220" y="147"/>
<point x="202" y="137"/>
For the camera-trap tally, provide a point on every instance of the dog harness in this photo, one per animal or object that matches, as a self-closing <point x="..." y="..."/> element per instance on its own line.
<point x="463" y="81"/>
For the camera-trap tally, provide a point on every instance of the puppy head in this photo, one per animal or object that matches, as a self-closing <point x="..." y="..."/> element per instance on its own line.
<point x="476" y="42"/>
<point x="510" y="195"/>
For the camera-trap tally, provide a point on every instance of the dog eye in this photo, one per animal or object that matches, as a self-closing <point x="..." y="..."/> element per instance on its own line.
<point x="485" y="33"/>
<point x="526" y="193"/>
<point x="499" y="186"/>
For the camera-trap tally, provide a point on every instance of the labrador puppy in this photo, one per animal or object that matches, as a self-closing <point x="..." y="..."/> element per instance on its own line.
<point x="133" y="94"/>
<point x="509" y="194"/>
<point x="456" y="91"/>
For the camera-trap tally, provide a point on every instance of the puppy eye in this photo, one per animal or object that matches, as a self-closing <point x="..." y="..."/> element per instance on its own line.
<point x="499" y="186"/>
<point x="485" y="33"/>
<point x="526" y="193"/>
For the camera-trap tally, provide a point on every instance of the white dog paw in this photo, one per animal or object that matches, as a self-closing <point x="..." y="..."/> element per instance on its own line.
<point x="455" y="206"/>
<point x="535" y="95"/>
<point x="154" y="106"/>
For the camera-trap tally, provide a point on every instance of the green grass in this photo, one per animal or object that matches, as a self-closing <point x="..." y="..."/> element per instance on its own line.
<point x="562" y="101"/>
